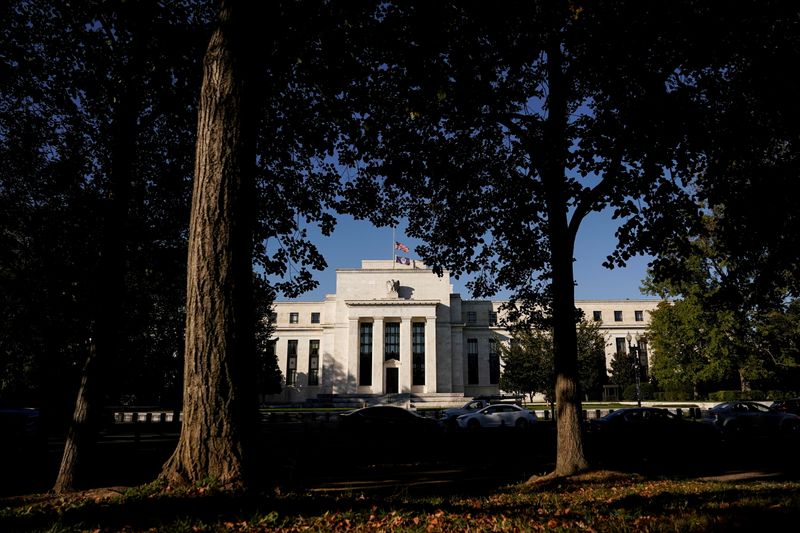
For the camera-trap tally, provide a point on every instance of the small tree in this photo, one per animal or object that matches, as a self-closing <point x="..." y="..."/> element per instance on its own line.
<point x="528" y="364"/>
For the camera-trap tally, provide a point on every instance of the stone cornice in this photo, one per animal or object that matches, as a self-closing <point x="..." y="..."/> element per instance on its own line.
<point x="390" y="301"/>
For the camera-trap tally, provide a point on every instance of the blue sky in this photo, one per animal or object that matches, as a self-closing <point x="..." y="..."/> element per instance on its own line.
<point x="355" y="240"/>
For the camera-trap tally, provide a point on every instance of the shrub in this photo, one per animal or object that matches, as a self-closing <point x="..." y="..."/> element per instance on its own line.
<point x="731" y="395"/>
<point x="647" y="390"/>
<point x="673" y="396"/>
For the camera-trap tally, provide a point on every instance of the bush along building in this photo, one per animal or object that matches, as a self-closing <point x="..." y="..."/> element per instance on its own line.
<point x="397" y="333"/>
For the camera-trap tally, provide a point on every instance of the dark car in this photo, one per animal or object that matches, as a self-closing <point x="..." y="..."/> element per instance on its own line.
<point x="753" y="419"/>
<point x="789" y="405"/>
<point x="649" y="432"/>
<point x="386" y="417"/>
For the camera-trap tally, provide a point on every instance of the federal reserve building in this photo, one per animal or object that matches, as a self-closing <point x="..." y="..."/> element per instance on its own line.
<point x="399" y="329"/>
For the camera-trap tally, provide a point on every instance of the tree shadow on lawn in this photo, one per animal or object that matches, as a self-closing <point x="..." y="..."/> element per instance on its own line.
<point x="599" y="495"/>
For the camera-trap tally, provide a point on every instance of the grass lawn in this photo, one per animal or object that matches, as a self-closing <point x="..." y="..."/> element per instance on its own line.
<point x="595" y="501"/>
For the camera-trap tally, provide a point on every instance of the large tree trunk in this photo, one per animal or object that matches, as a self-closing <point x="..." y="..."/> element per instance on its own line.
<point x="219" y="407"/>
<point x="570" y="458"/>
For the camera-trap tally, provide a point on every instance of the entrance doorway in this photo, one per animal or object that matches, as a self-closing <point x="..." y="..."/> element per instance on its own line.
<point x="392" y="380"/>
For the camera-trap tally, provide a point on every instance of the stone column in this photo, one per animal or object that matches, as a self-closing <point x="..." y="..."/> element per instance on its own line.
<point x="377" y="356"/>
<point x="406" y="368"/>
<point x="430" y="354"/>
<point x="352" y="358"/>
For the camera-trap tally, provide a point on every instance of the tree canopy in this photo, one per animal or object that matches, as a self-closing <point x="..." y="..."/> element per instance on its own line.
<point x="495" y="132"/>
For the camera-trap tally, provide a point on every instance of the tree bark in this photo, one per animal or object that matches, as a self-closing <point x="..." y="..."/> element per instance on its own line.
<point x="80" y="435"/>
<point x="219" y="407"/>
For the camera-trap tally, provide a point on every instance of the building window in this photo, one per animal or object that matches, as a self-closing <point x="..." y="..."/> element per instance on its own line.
<point x="294" y="318"/>
<point x="621" y="346"/>
<point x="494" y="363"/>
<point x="617" y="316"/>
<point x="313" y="363"/>
<point x="597" y="316"/>
<point x="472" y="317"/>
<point x="391" y="341"/>
<point x="472" y="361"/>
<point x="315" y="318"/>
<point x="492" y="318"/>
<point x="273" y="317"/>
<point x="365" y="354"/>
<point x="418" y="353"/>
<point x="291" y="363"/>
<point x="638" y="316"/>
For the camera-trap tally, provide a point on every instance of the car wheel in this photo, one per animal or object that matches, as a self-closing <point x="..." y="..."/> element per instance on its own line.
<point x="473" y="424"/>
<point x="521" y="423"/>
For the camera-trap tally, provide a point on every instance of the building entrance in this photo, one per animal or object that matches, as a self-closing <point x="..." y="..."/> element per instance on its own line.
<point x="392" y="380"/>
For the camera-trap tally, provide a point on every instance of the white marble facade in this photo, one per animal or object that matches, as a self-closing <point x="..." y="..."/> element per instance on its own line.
<point x="392" y="328"/>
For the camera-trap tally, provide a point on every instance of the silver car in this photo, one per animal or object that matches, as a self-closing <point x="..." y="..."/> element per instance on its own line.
<point x="498" y="415"/>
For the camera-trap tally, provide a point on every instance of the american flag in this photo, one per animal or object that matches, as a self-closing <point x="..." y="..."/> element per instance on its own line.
<point x="400" y="246"/>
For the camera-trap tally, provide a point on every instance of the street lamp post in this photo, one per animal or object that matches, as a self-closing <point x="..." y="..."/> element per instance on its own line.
<point x="634" y="349"/>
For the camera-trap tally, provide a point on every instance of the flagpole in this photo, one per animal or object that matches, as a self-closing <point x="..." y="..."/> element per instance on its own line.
<point x="394" y="259"/>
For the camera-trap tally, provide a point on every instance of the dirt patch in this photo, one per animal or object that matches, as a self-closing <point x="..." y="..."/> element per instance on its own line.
<point x="96" y="495"/>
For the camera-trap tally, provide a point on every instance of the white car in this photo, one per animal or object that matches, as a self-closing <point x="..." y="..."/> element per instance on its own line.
<point x="498" y="415"/>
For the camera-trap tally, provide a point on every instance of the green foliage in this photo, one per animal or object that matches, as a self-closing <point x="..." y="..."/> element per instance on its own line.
<point x="527" y="363"/>
<point x="96" y="152"/>
<point x="647" y="391"/>
<point x="691" y="347"/>
<point x="623" y="369"/>
<point x="673" y="396"/>
<point x="709" y="336"/>
<point x="528" y="366"/>
<point x="730" y="395"/>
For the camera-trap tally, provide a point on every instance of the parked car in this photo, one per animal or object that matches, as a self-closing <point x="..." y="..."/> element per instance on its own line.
<point x="789" y="405"/>
<point x="753" y="419"/>
<point x="649" y="433"/>
<point x="386" y="417"/>
<point x="449" y="416"/>
<point x="498" y="415"/>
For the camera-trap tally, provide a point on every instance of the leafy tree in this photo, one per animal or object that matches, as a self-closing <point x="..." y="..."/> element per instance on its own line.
<point x="94" y="225"/>
<point x="496" y="132"/>
<point x="528" y="361"/>
<point x="689" y="344"/>
<point x="738" y="269"/>
<point x="270" y="114"/>
<point x="779" y="332"/>
<point x="714" y="332"/>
